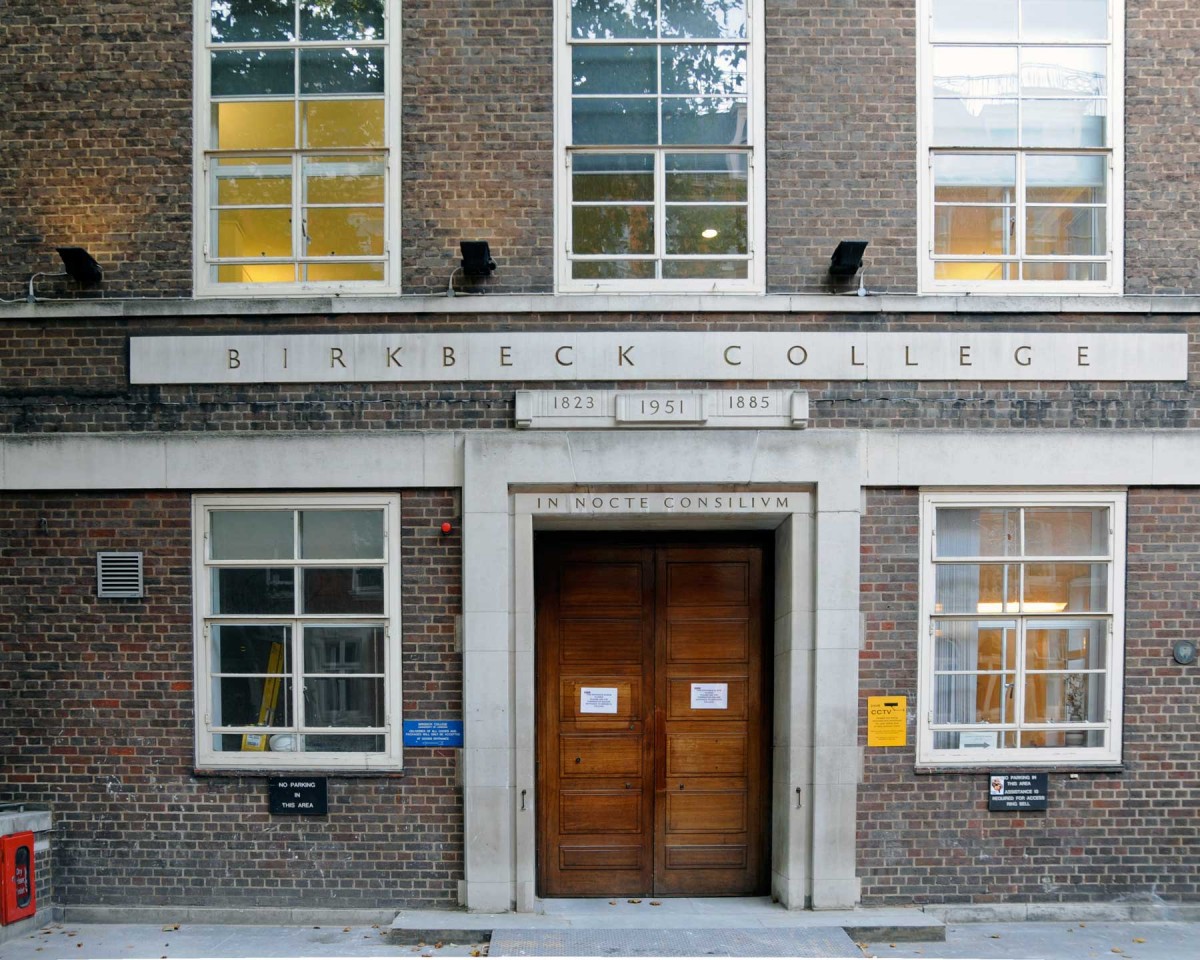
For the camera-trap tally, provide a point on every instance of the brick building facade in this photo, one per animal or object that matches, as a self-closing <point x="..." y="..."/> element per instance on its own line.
<point x="1015" y="378"/>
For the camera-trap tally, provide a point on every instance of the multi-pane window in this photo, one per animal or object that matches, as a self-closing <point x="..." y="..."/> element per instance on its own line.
<point x="1022" y="604"/>
<point x="1022" y="118"/>
<point x="298" y="143"/>
<point x="659" y="125"/>
<point x="298" y="649"/>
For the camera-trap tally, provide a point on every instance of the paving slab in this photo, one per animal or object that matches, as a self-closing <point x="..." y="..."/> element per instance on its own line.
<point x="721" y="942"/>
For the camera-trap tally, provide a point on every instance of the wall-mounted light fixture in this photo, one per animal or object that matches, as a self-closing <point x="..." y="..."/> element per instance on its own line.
<point x="476" y="261"/>
<point x="846" y="261"/>
<point x="78" y="264"/>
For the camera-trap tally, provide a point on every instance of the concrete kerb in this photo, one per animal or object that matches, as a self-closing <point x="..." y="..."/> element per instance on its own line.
<point x="232" y="916"/>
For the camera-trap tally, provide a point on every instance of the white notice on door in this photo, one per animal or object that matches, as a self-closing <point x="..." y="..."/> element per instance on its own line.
<point x="597" y="699"/>
<point x="710" y="696"/>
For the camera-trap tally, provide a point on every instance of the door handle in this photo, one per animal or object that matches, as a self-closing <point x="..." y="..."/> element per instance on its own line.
<point x="660" y="750"/>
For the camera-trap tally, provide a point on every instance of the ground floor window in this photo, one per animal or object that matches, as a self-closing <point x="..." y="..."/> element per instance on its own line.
<point x="1020" y="656"/>
<point x="298" y="633"/>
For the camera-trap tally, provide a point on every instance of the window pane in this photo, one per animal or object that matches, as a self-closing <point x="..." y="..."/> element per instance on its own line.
<point x="975" y="645"/>
<point x="973" y="231"/>
<point x="243" y="181"/>
<point x="1064" y="123"/>
<point x="260" y="232"/>
<point x="616" y="121"/>
<point x="1064" y="698"/>
<point x="1062" y="738"/>
<point x="612" y="176"/>
<point x="343" y="649"/>
<point x="1065" y="271"/>
<point x="706" y="230"/>
<point x="343" y="272"/>
<point x="704" y="69"/>
<point x="706" y="176"/>
<point x="250" y="648"/>
<point x="342" y="123"/>
<point x="973" y="698"/>
<point x="251" y="534"/>
<point x="348" y="70"/>
<point x="705" y="269"/>
<point x="614" y="69"/>
<point x="254" y="272"/>
<point x="975" y="123"/>
<point x="968" y="739"/>
<point x="343" y="590"/>
<point x="612" y="229"/>
<point x="1064" y="72"/>
<point x="242" y="73"/>
<point x="976" y="588"/>
<point x="1065" y="231"/>
<point x="974" y="179"/>
<point x="612" y="19"/>
<point x="343" y="701"/>
<point x="977" y="271"/>
<point x="344" y="231"/>
<point x="708" y="19"/>
<point x="1062" y="19"/>
<point x="344" y="180"/>
<point x="1066" y="645"/>
<point x="252" y="21"/>
<point x="704" y="120"/>
<point x="252" y="702"/>
<point x="341" y="534"/>
<point x="257" y="590"/>
<point x="978" y="532"/>
<point x="955" y="20"/>
<point x="254" y="126"/>
<point x="1066" y="179"/>
<point x="613" y="270"/>
<point x="975" y="72"/>
<point x="1066" y="531"/>
<point x="341" y="20"/>
<point x="1065" y="587"/>
<point x="343" y="743"/>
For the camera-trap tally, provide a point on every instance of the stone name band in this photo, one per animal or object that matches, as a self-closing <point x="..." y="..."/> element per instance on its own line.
<point x="657" y="356"/>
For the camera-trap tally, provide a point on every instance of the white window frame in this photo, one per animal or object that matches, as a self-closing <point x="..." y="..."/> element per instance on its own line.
<point x="755" y="281"/>
<point x="207" y="757"/>
<point x="1107" y="756"/>
<point x="203" y="285"/>
<point x="1115" y="224"/>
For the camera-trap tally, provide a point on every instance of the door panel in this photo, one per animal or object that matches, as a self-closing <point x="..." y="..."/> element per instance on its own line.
<point x="654" y="785"/>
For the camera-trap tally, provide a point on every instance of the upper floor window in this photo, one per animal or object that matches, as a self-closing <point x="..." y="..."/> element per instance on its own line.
<point x="660" y="133"/>
<point x="296" y="138"/>
<point x="1020" y="145"/>
<point x="1021" y="649"/>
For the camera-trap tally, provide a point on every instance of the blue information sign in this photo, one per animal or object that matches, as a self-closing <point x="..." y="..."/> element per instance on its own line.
<point x="433" y="733"/>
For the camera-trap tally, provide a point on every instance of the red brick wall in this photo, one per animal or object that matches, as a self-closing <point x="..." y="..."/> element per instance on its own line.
<point x="96" y="142"/>
<point x="929" y="838"/>
<point x="98" y="721"/>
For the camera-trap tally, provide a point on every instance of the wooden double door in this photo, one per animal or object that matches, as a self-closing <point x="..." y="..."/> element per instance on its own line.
<point x="653" y="717"/>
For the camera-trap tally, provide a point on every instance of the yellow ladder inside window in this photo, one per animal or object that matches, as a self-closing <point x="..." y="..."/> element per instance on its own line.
<point x="270" y="700"/>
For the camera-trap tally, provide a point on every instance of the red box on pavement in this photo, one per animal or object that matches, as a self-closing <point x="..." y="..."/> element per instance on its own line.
<point x="18" y="898"/>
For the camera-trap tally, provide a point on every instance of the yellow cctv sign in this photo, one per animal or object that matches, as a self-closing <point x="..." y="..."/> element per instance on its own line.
<point x="887" y="721"/>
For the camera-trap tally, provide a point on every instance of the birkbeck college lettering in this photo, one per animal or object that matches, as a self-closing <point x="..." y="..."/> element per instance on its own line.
<point x="745" y="507"/>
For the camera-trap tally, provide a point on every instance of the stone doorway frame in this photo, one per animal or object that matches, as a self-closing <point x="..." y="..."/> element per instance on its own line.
<point x="816" y="765"/>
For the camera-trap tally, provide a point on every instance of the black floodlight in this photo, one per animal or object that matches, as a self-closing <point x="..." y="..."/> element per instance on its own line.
<point x="847" y="259"/>
<point x="81" y="265"/>
<point x="476" y="262"/>
<point x="476" y="258"/>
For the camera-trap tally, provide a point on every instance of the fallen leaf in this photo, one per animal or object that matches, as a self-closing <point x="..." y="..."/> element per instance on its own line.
<point x="633" y="901"/>
<point x="656" y="903"/>
<point x="994" y="936"/>
<point x="345" y="929"/>
<point x="476" y="953"/>
<point x="1139" y="940"/>
<point x="1117" y="950"/>
<point x="169" y="927"/>
<point x="612" y="903"/>
<point x="438" y="945"/>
